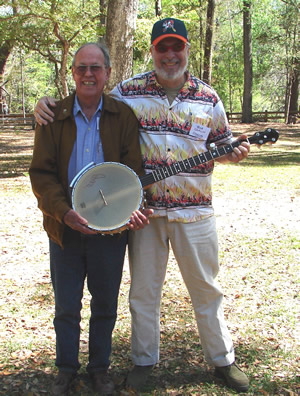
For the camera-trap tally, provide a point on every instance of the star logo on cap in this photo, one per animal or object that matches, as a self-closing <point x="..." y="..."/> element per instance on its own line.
<point x="168" y="25"/>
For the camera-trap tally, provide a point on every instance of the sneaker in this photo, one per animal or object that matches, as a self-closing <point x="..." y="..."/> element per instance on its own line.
<point x="102" y="383"/>
<point x="234" y="377"/>
<point x="138" y="376"/>
<point x="61" y="384"/>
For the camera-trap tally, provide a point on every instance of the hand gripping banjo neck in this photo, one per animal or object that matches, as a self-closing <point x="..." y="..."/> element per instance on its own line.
<point x="269" y="135"/>
<point x="107" y="194"/>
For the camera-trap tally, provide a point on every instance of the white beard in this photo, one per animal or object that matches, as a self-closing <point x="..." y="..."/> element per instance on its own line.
<point x="161" y="72"/>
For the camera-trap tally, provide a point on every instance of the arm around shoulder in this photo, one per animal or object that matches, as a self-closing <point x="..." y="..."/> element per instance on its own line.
<point x="42" y="112"/>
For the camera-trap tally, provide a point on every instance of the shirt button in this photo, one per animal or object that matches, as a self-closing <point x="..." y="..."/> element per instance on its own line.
<point x="87" y="150"/>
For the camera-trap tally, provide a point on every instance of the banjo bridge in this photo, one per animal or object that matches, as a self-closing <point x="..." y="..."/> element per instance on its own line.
<point x="103" y="197"/>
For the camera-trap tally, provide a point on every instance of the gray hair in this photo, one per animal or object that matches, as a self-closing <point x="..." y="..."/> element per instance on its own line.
<point x="99" y="45"/>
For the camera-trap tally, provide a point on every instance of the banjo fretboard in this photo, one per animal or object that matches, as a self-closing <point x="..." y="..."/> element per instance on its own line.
<point x="269" y="135"/>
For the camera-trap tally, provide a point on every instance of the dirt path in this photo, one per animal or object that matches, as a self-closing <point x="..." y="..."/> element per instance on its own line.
<point x="21" y="229"/>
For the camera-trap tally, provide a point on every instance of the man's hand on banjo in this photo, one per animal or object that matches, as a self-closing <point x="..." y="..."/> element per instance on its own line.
<point x="139" y="219"/>
<point x="77" y="223"/>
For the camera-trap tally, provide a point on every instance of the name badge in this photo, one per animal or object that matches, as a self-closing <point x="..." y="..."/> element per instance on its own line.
<point x="200" y="131"/>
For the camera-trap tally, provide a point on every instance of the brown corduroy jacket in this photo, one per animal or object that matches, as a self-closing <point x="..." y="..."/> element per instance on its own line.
<point x="53" y="147"/>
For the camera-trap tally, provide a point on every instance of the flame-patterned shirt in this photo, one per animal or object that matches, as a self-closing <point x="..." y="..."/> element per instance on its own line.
<point x="174" y="132"/>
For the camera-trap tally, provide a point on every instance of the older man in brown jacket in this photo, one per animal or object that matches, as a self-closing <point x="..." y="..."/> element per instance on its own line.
<point x="88" y="126"/>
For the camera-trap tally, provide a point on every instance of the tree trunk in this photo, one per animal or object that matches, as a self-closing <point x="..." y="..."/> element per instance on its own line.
<point x="63" y="69"/>
<point x="248" y="74"/>
<point x="201" y="40"/>
<point x="158" y="7"/>
<point x="61" y="66"/>
<point x="5" y="51"/>
<point x="120" y="29"/>
<point x="103" y="10"/>
<point x="294" y="95"/>
<point x="207" y="63"/>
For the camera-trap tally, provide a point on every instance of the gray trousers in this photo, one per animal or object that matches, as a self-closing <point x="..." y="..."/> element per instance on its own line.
<point x="195" y="247"/>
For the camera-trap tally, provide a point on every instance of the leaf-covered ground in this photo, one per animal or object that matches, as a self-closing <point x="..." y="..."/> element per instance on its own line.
<point x="257" y="210"/>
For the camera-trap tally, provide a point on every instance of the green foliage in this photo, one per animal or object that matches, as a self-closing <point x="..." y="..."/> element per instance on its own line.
<point x="43" y="28"/>
<point x="38" y="80"/>
<point x="49" y="32"/>
<point x="272" y="46"/>
<point x="141" y="53"/>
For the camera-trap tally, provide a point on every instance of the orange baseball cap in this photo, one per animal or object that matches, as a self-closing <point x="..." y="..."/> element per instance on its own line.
<point x="168" y="27"/>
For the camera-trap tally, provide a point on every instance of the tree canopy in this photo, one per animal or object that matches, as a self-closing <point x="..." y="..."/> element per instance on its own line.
<point x="43" y="35"/>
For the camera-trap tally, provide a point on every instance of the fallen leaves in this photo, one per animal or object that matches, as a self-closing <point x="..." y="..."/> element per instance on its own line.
<point x="258" y="255"/>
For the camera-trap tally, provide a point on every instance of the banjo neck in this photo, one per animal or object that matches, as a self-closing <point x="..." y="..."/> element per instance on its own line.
<point x="269" y="135"/>
<point x="184" y="165"/>
<point x="107" y="194"/>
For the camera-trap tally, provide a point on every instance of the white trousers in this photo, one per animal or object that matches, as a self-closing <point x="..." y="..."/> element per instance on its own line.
<point x="195" y="247"/>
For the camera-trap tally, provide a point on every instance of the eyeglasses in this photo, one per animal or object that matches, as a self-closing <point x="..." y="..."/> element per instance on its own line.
<point x="82" y="69"/>
<point x="177" y="47"/>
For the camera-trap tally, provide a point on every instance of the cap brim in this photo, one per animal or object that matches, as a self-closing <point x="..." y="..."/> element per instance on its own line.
<point x="160" y="38"/>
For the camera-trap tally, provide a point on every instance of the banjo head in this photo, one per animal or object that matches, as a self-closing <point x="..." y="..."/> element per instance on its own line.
<point x="106" y="195"/>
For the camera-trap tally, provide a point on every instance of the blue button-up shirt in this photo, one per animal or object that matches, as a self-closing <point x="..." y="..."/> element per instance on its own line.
<point x="87" y="147"/>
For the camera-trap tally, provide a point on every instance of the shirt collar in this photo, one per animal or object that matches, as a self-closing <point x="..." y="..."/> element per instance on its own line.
<point x="187" y="85"/>
<point x="77" y="108"/>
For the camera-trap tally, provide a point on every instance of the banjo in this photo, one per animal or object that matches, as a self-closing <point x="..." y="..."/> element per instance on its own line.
<point x="106" y="194"/>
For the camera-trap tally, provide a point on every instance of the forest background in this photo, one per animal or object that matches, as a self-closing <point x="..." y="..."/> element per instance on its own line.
<point x="248" y="50"/>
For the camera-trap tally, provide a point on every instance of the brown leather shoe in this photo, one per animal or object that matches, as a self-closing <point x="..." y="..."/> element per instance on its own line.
<point x="138" y="377"/>
<point x="61" y="384"/>
<point x="233" y="376"/>
<point x="102" y="383"/>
